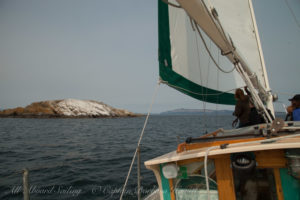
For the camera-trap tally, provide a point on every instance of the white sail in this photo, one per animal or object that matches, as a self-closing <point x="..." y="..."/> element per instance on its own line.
<point x="237" y="19"/>
<point x="234" y="32"/>
<point x="192" y="61"/>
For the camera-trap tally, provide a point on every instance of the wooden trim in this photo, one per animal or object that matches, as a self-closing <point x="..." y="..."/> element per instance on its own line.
<point x="225" y="177"/>
<point x="186" y="147"/>
<point x="156" y="171"/>
<point x="214" y="134"/>
<point x="270" y="159"/>
<point x="188" y="161"/>
<point x="172" y="189"/>
<point x="278" y="184"/>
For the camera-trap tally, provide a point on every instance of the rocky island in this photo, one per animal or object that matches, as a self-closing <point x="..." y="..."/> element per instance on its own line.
<point x="67" y="108"/>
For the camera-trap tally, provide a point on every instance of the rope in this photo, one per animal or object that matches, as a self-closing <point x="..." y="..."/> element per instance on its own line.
<point x="205" y="45"/>
<point x="215" y="15"/>
<point x="209" y="53"/>
<point x="293" y="14"/>
<point x="205" y="97"/>
<point x="218" y="88"/>
<point x="200" y="72"/>
<point x="140" y="139"/>
<point x="205" y="170"/>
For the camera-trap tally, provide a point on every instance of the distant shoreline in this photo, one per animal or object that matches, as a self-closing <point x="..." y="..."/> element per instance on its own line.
<point x="67" y="108"/>
<point x="45" y="116"/>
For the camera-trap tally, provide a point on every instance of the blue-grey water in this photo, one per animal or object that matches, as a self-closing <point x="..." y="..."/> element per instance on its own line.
<point x="88" y="158"/>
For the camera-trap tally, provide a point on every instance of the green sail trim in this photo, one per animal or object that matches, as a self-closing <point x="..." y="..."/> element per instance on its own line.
<point x="174" y="79"/>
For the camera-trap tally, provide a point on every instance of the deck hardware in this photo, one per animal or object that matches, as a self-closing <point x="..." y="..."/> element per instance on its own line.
<point x="276" y="126"/>
<point x="264" y="132"/>
<point x="189" y="140"/>
<point x="224" y="146"/>
<point x="243" y="162"/>
<point x="268" y="142"/>
<point x="170" y="170"/>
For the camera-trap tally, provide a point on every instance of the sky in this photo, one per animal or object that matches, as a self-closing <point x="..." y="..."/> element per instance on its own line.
<point x="107" y="50"/>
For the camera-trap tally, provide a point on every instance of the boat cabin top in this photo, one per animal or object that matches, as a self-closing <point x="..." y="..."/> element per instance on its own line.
<point x="232" y="167"/>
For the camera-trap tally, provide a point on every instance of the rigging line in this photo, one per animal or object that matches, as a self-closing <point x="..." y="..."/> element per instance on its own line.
<point x="292" y="12"/>
<point x="205" y="97"/>
<point x="192" y="24"/>
<point x="214" y="15"/>
<point x="209" y="53"/>
<point x="140" y="139"/>
<point x="201" y="78"/>
<point x="208" y="64"/>
<point x="171" y="4"/>
<point x="198" y="53"/>
<point x="217" y="104"/>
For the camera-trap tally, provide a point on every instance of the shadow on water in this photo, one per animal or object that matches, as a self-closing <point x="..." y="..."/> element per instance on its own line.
<point x="88" y="158"/>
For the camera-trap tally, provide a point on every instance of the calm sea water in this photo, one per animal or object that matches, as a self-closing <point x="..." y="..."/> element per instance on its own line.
<point x="88" y="158"/>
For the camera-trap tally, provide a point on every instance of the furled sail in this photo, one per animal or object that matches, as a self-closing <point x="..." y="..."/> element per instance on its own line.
<point x="186" y="58"/>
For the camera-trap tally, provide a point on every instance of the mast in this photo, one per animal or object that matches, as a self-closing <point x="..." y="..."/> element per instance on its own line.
<point x="269" y="102"/>
<point x="207" y="19"/>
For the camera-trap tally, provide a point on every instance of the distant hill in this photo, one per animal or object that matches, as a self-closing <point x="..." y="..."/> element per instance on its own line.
<point x="183" y="111"/>
<point x="67" y="108"/>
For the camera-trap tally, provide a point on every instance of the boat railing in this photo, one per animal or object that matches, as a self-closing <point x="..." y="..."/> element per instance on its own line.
<point x="26" y="184"/>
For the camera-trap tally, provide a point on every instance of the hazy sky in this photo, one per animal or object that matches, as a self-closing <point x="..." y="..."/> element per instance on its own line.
<point x="106" y="50"/>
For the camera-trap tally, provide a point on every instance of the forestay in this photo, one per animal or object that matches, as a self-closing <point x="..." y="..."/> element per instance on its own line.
<point x="184" y="62"/>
